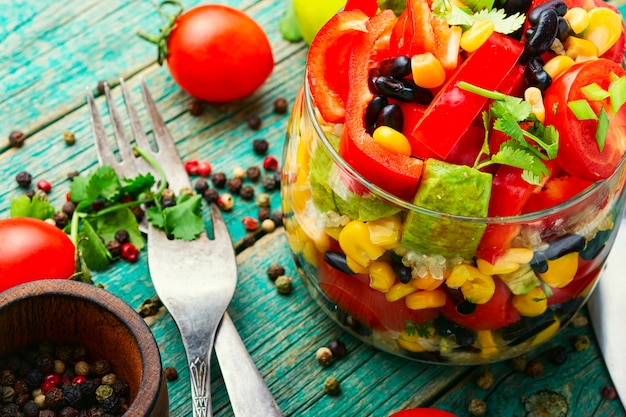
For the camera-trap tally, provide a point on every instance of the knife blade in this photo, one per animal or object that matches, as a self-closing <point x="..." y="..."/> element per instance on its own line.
<point x="607" y="309"/>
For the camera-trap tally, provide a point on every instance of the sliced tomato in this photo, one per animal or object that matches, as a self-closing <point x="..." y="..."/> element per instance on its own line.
<point x="353" y="295"/>
<point x="579" y="153"/>
<point x="328" y="62"/>
<point x="494" y="314"/>
<point x="554" y="192"/>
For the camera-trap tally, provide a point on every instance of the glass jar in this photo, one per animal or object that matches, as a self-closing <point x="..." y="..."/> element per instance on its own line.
<point x="407" y="280"/>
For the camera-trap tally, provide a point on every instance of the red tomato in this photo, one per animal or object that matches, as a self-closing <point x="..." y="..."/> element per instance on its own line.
<point x="218" y="53"/>
<point x="579" y="154"/>
<point x="422" y="412"/>
<point x="554" y="192"/>
<point x="31" y="250"/>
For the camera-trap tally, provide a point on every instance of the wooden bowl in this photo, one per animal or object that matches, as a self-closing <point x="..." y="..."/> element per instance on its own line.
<point x="73" y="312"/>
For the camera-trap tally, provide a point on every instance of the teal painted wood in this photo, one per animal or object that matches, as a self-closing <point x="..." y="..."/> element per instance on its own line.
<point x="50" y="52"/>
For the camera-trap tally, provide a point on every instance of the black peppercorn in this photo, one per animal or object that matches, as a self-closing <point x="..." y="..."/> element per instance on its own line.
<point x="608" y="392"/>
<point x="7" y="377"/>
<point x="138" y="212"/>
<point x="253" y="173"/>
<point x="64" y="352"/>
<point x="68" y="412"/>
<point x="218" y="179"/>
<point x="338" y="348"/>
<point x="122" y="236"/>
<point x="34" y="378"/>
<point x="73" y="395"/>
<point x="260" y="146"/>
<point x="9" y="410"/>
<point x="168" y="202"/>
<point x="274" y="271"/>
<point x="121" y="388"/>
<point x="195" y="107"/>
<point x="68" y="208"/>
<point x="100" y="367"/>
<point x="558" y="355"/>
<point x="280" y="105"/>
<point x="248" y="240"/>
<point x="23" y="179"/>
<point x="54" y="398"/>
<point x="234" y="185"/>
<point x="16" y="139"/>
<point x="534" y="369"/>
<point x="269" y="183"/>
<point x="171" y="373"/>
<point x="277" y="217"/>
<point x="112" y="404"/>
<point x="264" y="213"/>
<point x="60" y="219"/>
<point x="211" y="195"/>
<point x="254" y="122"/>
<point x="31" y="409"/>
<point x="201" y="185"/>
<point x="247" y="192"/>
<point x="100" y="87"/>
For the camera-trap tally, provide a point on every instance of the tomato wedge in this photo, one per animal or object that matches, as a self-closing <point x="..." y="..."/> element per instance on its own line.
<point x="579" y="153"/>
<point x="327" y="63"/>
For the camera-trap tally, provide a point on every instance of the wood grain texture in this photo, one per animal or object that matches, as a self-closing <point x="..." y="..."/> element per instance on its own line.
<point x="51" y="52"/>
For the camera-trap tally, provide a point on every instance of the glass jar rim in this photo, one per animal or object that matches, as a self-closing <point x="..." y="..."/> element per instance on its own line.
<point x="378" y="191"/>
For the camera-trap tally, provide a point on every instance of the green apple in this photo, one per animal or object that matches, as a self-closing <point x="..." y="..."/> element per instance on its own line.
<point x="311" y="15"/>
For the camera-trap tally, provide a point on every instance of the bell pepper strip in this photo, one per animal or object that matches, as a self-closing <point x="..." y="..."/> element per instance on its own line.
<point x="554" y="192"/>
<point x="369" y="7"/>
<point x="397" y="174"/>
<point x="443" y="126"/>
<point x="327" y="63"/>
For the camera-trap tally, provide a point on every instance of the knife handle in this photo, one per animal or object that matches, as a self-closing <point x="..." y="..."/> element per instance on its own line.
<point x="248" y="392"/>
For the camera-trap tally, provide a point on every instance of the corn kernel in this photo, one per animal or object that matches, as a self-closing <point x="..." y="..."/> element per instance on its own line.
<point x="577" y="18"/>
<point x="385" y="231"/>
<point x="398" y="291"/>
<point x="605" y="28"/>
<point x="558" y="65"/>
<point x="427" y="283"/>
<point x="382" y="276"/>
<point x="477" y="35"/>
<point x="488" y="346"/>
<point x="576" y="48"/>
<point x="427" y="70"/>
<point x="425" y="299"/>
<point x="561" y="271"/>
<point x="509" y="262"/>
<point x="533" y="96"/>
<point x="355" y="267"/>
<point x="410" y="342"/>
<point x="476" y="287"/>
<point x="355" y="242"/>
<point x="392" y="140"/>
<point x="531" y="304"/>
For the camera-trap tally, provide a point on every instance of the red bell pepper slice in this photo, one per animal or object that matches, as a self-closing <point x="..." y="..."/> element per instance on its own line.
<point x="395" y="173"/>
<point x="369" y="7"/>
<point x="443" y="125"/>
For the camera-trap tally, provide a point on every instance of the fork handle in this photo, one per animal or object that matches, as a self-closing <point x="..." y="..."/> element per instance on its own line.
<point x="248" y="392"/>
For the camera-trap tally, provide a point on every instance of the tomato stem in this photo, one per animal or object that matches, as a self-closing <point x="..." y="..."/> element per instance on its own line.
<point x="161" y="40"/>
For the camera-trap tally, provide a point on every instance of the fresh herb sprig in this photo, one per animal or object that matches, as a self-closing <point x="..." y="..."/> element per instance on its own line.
<point x="527" y="148"/>
<point x="477" y="10"/>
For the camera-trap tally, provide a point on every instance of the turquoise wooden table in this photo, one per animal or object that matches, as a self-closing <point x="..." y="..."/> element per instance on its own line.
<point x="52" y="52"/>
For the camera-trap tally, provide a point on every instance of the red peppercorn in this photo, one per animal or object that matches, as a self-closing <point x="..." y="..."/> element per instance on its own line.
<point x="44" y="186"/>
<point x="47" y="386"/>
<point x="68" y="196"/>
<point x="204" y="168"/>
<point x="250" y="223"/>
<point x="78" y="379"/>
<point x="129" y="252"/>
<point x="608" y="392"/>
<point x="191" y="167"/>
<point x="54" y="378"/>
<point x="270" y="163"/>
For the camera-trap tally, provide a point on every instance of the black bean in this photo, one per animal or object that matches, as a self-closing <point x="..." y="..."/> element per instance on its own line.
<point x="465" y="307"/>
<point x="559" y="6"/>
<point x="516" y="6"/>
<point x="563" y="31"/>
<point x="398" y="67"/>
<point x="402" y="272"/>
<point x="371" y="77"/>
<point x="338" y="261"/>
<point x="535" y="75"/>
<point x="596" y="245"/>
<point x="402" y="90"/>
<point x="544" y="34"/>
<point x="391" y="115"/>
<point x="447" y="328"/>
<point x="373" y="110"/>
<point x="563" y="245"/>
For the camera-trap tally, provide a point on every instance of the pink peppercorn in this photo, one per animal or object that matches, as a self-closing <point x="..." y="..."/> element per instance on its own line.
<point x="79" y="379"/>
<point x="204" y="168"/>
<point x="270" y="163"/>
<point x="130" y="252"/>
<point x="250" y="223"/>
<point x="44" y="186"/>
<point x="191" y="167"/>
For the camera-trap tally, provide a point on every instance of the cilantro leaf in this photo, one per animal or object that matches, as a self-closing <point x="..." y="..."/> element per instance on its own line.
<point x="105" y="183"/>
<point x="478" y="10"/>
<point x="479" y="5"/>
<point x="138" y="185"/>
<point x="78" y="189"/>
<point x="502" y="23"/>
<point x="514" y="154"/>
<point x="509" y="126"/>
<point x="184" y="220"/>
<point x="93" y="251"/>
<point x="37" y="207"/>
<point x="155" y="216"/>
<point x="516" y="107"/>
<point x="110" y="223"/>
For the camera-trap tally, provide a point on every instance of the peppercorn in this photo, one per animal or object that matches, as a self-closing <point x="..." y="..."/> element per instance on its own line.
<point x="112" y="405"/>
<point x="72" y="174"/>
<point x="284" y="284"/>
<point x="68" y="412"/>
<point x="204" y="168"/>
<point x="150" y="306"/>
<point x="167" y="194"/>
<point x="253" y="173"/>
<point x="8" y="394"/>
<point x="250" y="223"/>
<point x="248" y="241"/>
<point x="579" y="320"/>
<point x="485" y="380"/>
<point x="44" y="186"/>
<point x="239" y="172"/>
<point x="247" y="192"/>
<point x="191" y="167"/>
<point x="269" y="183"/>
<point x="114" y="248"/>
<point x="581" y="342"/>
<point x="338" y="348"/>
<point x="201" y="185"/>
<point x="254" y="122"/>
<point x="54" y="398"/>
<point x="558" y="355"/>
<point x="30" y="409"/>
<point x="16" y="139"/>
<point x="60" y="219"/>
<point x="211" y="195"/>
<point x="138" y="212"/>
<point x="519" y="363"/>
<point x="102" y="392"/>
<point x="171" y="374"/>
<point x="22" y="399"/>
<point x="100" y="367"/>
<point x="68" y="208"/>
<point x="82" y="368"/>
<point x="324" y="356"/>
<point x="68" y="137"/>
<point x="121" y="388"/>
<point x="64" y="352"/>
<point x="188" y="191"/>
<point x="608" y="392"/>
<point x="534" y="368"/>
<point x="21" y="387"/>
<point x="477" y="407"/>
<point x="225" y="201"/>
<point x="130" y="253"/>
<point x="264" y="214"/>
<point x="268" y="225"/>
<point x="23" y="179"/>
<point x="270" y="163"/>
<point x="263" y="200"/>
<point x="332" y="386"/>
<point x="101" y="87"/>
<point x="195" y="107"/>
<point x="546" y="403"/>
<point x="277" y="217"/>
<point x="280" y="105"/>
<point x="218" y="179"/>
<point x="274" y="271"/>
<point x="260" y="146"/>
<point x="45" y="363"/>
<point x="234" y="185"/>
<point x="9" y="410"/>
<point x="7" y="377"/>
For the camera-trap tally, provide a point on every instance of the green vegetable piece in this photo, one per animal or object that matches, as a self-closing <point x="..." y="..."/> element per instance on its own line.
<point x="451" y="189"/>
<point x="602" y="129"/>
<point x="288" y="26"/>
<point x="37" y="207"/>
<point x="94" y="252"/>
<point x="108" y="224"/>
<point x="593" y="92"/>
<point x="521" y="281"/>
<point x="617" y="92"/>
<point x="582" y="109"/>
<point x="184" y="220"/>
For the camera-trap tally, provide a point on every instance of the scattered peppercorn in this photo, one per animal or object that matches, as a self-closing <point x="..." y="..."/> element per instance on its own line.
<point x="519" y="363"/>
<point x="195" y="107"/>
<point x="100" y="87"/>
<point x="129" y="252"/>
<point x="534" y="368"/>
<point x="280" y="105"/>
<point x="485" y="380"/>
<point x="218" y="179"/>
<point x="68" y="208"/>
<point x="122" y="236"/>
<point x="167" y="202"/>
<point x="138" y="212"/>
<point x="225" y="201"/>
<point x="204" y="168"/>
<point x="201" y="185"/>
<point x="579" y="320"/>
<point x="211" y="195"/>
<point x="332" y="386"/>
<point x="239" y="172"/>
<point x="171" y="374"/>
<point x="250" y="223"/>
<point x="253" y="173"/>
<point x="254" y="122"/>
<point x="263" y="214"/>
<point x="68" y="137"/>
<point x="60" y="219"/>
<point x="44" y="186"/>
<point x="234" y="185"/>
<point x="150" y="306"/>
<point x="277" y="218"/>
<point x="23" y="179"/>
<point x="191" y="167"/>
<point x="324" y="356"/>
<point x="581" y="342"/>
<point x="546" y="403"/>
<point x="263" y="200"/>
<point x="338" y="348"/>
<point x="268" y="225"/>
<point x="247" y="192"/>
<point x="260" y="146"/>
<point x="269" y="183"/>
<point x="16" y="139"/>
<point x="608" y="392"/>
<point x="248" y="241"/>
<point x="284" y="284"/>
<point x="558" y="355"/>
<point x="73" y="174"/>
<point x="270" y="163"/>
<point x="274" y="271"/>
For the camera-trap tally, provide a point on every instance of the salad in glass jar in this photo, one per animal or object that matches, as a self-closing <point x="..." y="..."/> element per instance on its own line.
<point x="454" y="172"/>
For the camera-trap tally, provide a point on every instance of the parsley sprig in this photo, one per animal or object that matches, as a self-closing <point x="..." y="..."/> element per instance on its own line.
<point x="477" y="10"/>
<point x="527" y="148"/>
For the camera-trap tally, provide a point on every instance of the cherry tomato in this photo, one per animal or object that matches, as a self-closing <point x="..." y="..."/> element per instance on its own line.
<point x="218" y="54"/>
<point x="579" y="154"/>
<point x="422" y="412"/>
<point x="33" y="249"/>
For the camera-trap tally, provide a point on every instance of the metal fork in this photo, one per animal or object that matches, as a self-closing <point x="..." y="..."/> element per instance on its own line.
<point x="195" y="279"/>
